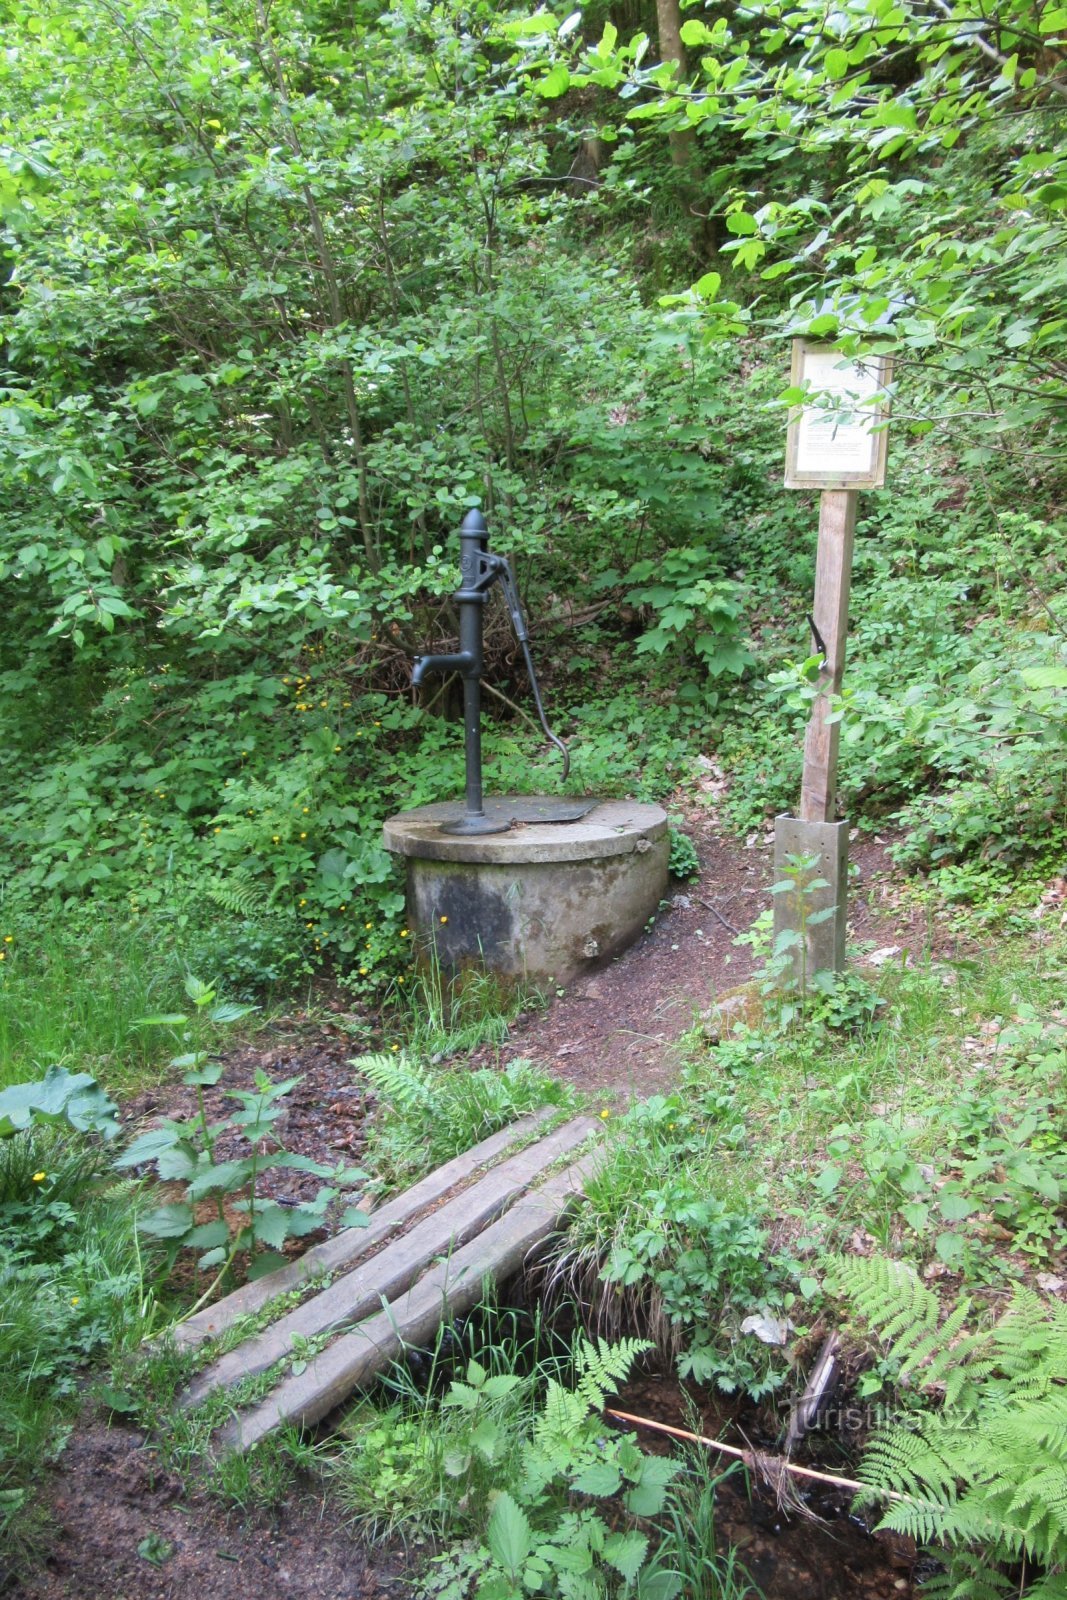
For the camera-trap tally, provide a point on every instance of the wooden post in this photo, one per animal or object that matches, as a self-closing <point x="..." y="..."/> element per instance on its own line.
<point x="833" y="573"/>
<point x="836" y="442"/>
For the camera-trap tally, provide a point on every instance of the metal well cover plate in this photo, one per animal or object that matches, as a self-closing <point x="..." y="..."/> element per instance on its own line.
<point x="533" y="808"/>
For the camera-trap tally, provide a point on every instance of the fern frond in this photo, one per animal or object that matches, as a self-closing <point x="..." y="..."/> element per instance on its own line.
<point x="988" y="1472"/>
<point x="396" y="1080"/>
<point x="602" y="1367"/>
<point x="240" y="894"/>
<point x="890" y="1297"/>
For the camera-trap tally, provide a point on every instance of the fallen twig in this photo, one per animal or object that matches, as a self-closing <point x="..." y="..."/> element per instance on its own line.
<point x="716" y="913"/>
<point x="766" y="1466"/>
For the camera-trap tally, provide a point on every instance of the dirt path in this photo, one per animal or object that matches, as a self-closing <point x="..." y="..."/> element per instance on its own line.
<point x="616" y="1033"/>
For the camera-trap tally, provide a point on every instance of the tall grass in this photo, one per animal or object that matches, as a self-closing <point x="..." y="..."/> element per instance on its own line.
<point x="69" y="996"/>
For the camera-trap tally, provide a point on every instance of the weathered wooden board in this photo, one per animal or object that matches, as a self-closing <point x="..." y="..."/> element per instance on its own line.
<point x="353" y="1244"/>
<point x="833" y="571"/>
<point x="448" y="1289"/>
<point x="395" y="1268"/>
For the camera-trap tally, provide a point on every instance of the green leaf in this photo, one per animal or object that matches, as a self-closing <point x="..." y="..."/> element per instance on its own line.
<point x="227" y="1176"/>
<point x="1054" y="21"/>
<point x="836" y="63"/>
<point x="167" y="1222"/>
<point x="271" y="1225"/>
<point x="600" y="1478"/>
<point x="649" y="1494"/>
<point x="555" y="83"/>
<point x="60" y="1096"/>
<point x="1044" y="677"/>
<point x="708" y="286"/>
<point x="230" y="1011"/>
<point x="149" y="1147"/>
<point x="954" y="1206"/>
<point x="626" y="1553"/>
<point x="201" y="994"/>
<point x="508" y="1535"/>
<point x="266" y="1262"/>
<point x="208" y="1235"/>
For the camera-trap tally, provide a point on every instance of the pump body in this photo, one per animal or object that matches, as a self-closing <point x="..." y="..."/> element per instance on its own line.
<point x="479" y="569"/>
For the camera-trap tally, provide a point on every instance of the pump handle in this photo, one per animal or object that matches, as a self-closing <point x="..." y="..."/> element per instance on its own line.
<point x="518" y="622"/>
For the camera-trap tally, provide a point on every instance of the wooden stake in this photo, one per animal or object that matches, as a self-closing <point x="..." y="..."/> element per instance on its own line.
<point x="833" y="574"/>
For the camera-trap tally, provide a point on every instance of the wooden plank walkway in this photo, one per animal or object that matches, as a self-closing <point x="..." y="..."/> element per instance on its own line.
<point x="353" y="1243"/>
<point x="425" y="1256"/>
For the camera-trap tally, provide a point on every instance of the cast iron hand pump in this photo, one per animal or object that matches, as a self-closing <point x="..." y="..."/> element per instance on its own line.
<point x="480" y="568"/>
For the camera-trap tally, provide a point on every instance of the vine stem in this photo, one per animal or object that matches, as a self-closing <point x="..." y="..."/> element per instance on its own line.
<point x="755" y="1458"/>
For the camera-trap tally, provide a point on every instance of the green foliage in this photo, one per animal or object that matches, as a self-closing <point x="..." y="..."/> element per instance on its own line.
<point x="188" y="1153"/>
<point x="426" y="1116"/>
<point x="982" y="1476"/>
<point x="684" y="862"/>
<point x="696" y="610"/>
<point x="516" y="1474"/>
<point x="675" y="1255"/>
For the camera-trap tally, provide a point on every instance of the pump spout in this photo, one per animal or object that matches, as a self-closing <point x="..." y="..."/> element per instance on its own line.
<point x="461" y="662"/>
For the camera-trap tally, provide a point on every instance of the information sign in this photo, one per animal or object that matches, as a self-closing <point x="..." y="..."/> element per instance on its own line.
<point x="839" y="439"/>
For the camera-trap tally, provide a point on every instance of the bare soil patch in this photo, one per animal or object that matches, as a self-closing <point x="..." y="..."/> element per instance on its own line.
<point x="113" y="1493"/>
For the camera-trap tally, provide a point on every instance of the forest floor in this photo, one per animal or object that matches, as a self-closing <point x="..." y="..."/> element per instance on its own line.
<point x="121" y="1526"/>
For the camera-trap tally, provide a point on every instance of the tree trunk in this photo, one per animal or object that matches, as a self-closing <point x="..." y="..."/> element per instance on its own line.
<point x="684" y="152"/>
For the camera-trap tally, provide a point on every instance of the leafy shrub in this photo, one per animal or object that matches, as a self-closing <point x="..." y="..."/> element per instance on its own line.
<point x="514" y="1467"/>
<point x="658" y="1249"/>
<point x="684" y="862"/>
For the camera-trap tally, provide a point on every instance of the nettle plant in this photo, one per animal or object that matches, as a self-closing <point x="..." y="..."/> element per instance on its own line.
<point x="190" y="1153"/>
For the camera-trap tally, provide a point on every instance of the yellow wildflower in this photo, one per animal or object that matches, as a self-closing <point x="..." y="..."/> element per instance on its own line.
<point x="39" y="1177"/>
